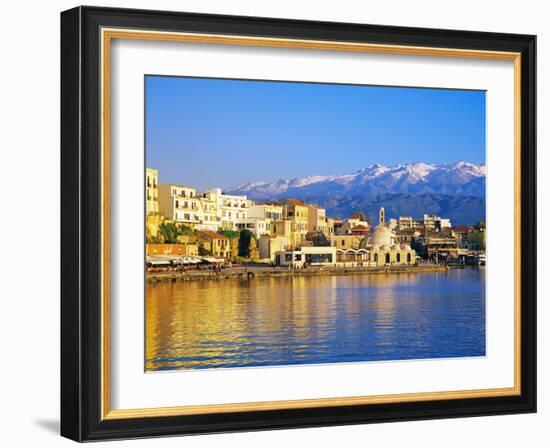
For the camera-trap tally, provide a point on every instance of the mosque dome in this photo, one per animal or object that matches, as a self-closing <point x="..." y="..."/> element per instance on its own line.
<point x="395" y="247"/>
<point x="405" y="247"/>
<point x="381" y="235"/>
<point x="386" y="247"/>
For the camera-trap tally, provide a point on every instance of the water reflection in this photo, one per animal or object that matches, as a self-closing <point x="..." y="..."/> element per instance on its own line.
<point x="278" y="321"/>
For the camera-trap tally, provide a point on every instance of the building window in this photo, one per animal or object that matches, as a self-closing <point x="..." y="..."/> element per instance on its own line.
<point x="387" y="258"/>
<point x="399" y="258"/>
<point x="408" y="258"/>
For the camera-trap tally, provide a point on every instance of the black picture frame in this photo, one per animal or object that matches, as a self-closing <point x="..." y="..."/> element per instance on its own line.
<point x="81" y="224"/>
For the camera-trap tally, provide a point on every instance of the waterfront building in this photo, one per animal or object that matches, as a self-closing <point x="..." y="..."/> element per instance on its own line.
<point x="210" y="218"/>
<point x="269" y="246"/>
<point x="214" y="244"/>
<point x="267" y="211"/>
<point x="354" y="221"/>
<point x="316" y="219"/>
<point x="407" y="222"/>
<point x="230" y="209"/>
<point x="258" y="226"/>
<point x="346" y="241"/>
<point x="438" y="249"/>
<point x="406" y="236"/>
<point x="286" y="228"/>
<point x="359" y="230"/>
<point x="383" y="247"/>
<point x="260" y="217"/>
<point x="330" y="226"/>
<point x="471" y="238"/>
<point x="306" y="256"/>
<point x="151" y="191"/>
<point x="180" y="204"/>
<point x="352" y="257"/>
<point x="337" y="224"/>
<point x="476" y="239"/>
<point x="434" y="222"/>
<point x="296" y="212"/>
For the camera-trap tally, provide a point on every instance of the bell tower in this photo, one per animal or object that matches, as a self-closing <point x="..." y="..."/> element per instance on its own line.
<point x="381" y="216"/>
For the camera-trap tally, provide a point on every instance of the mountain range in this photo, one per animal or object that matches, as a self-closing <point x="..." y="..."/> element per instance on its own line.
<point x="454" y="190"/>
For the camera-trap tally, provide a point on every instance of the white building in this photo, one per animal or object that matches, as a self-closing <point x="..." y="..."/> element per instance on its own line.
<point x="257" y="226"/>
<point x="270" y="212"/>
<point x="308" y="256"/>
<point x="433" y="222"/>
<point x="230" y="209"/>
<point x="180" y="204"/>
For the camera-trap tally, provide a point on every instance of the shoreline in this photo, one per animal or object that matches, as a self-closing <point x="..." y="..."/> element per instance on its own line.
<point x="159" y="277"/>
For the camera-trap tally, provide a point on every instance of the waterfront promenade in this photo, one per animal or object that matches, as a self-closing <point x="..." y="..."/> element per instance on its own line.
<point x="258" y="270"/>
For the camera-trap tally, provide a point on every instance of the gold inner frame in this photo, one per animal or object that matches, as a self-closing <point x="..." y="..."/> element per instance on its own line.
<point x="107" y="35"/>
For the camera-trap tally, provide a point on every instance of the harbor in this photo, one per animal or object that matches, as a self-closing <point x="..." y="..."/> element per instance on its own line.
<point x="300" y="318"/>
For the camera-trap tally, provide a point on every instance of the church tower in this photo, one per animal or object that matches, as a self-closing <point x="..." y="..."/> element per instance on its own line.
<point x="381" y="216"/>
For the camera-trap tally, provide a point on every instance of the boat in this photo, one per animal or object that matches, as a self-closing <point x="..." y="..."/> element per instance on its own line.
<point x="481" y="260"/>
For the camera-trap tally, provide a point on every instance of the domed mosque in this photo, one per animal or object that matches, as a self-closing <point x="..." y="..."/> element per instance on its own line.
<point x="383" y="248"/>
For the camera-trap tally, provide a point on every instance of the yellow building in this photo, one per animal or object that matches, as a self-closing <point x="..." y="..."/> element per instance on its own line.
<point x="330" y="226"/>
<point x="297" y="212"/>
<point x="214" y="244"/>
<point x="476" y="239"/>
<point x="269" y="246"/>
<point x="287" y="229"/>
<point x="317" y="221"/>
<point x="346" y="241"/>
<point x="210" y="218"/>
<point x="151" y="191"/>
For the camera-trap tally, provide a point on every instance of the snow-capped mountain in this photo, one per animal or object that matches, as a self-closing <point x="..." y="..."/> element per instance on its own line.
<point x="460" y="178"/>
<point x="455" y="190"/>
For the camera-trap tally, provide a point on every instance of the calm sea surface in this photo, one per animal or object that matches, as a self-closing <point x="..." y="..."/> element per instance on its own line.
<point x="324" y="319"/>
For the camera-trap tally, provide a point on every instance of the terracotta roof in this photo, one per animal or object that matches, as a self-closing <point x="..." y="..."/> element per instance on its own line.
<point x="463" y="228"/>
<point x="213" y="235"/>
<point x="292" y="201"/>
<point x="360" y="227"/>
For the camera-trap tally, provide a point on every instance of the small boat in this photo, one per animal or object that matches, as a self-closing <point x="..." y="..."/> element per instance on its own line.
<point x="481" y="259"/>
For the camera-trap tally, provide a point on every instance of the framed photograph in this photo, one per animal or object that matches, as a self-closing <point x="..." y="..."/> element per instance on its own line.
<point x="274" y="223"/>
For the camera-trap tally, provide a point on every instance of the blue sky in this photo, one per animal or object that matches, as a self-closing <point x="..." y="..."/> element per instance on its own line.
<point x="214" y="132"/>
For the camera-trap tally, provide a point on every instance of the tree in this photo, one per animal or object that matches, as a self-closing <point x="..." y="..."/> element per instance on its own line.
<point x="169" y="231"/>
<point x="480" y="225"/>
<point x="231" y="234"/>
<point x="244" y="242"/>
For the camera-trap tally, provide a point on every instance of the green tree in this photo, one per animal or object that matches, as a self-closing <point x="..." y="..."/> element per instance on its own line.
<point x="231" y="234"/>
<point x="480" y="225"/>
<point x="244" y="242"/>
<point x="186" y="230"/>
<point x="169" y="231"/>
